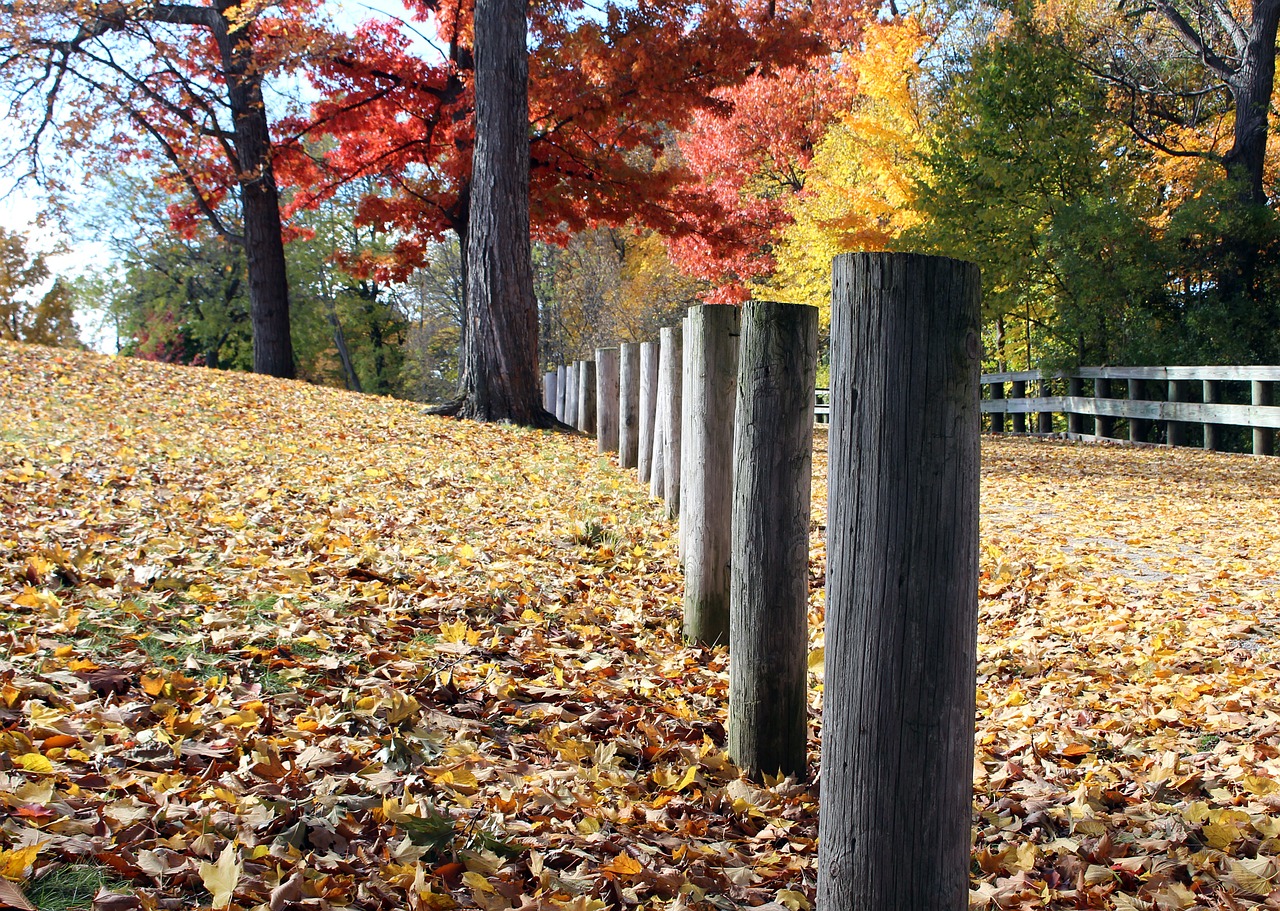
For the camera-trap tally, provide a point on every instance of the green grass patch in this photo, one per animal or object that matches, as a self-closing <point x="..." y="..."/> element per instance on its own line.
<point x="72" y="887"/>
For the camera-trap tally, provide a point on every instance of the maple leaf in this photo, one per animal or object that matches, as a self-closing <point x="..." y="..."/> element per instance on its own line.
<point x="222" y="876"/>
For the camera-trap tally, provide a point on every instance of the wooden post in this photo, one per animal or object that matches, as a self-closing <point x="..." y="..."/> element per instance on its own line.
<point x="769" y="588"/>
<point x="671" y="391"/>
<point x="1044" y="420"/>
<point x="997" y="417"/>
<point x="1212" y="432"/>
<point x="571" y="396"/>
<point x="902" y="577"/>
<point x="587" y="397"/>
<point x="549" y="391"/>
<point x="1104" y="426"/>
<point x="706" y="493"/>
<point x="1176" y="431"/>
<point x="1264" y="438"/>
<point x="1138" y="427"/>
<point x="629" y="406"/>
<point x="1019" y="417"/>
<point x="607" y="400"/>
<point x="562" y="390"/>
<point x="648" y="408"/>
<point x="1075" y="421"/>
<point x="657" y="464"/>
<point x="686" y="396"/>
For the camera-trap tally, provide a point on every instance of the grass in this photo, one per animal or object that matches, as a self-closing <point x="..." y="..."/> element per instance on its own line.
<point x="72" y="887"/>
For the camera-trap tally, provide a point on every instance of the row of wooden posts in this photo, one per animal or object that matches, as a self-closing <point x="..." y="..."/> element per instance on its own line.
<point x="717" y="417"/>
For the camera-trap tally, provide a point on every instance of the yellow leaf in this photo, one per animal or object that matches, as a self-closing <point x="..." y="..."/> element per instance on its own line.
<point x="14" y="864"/>
<point x="34" y="762"/>
<point x="222" y="877"/>
<point x="793" y="900"/>
<point x="454" y="632"/>
<point x="477" y="882"/>
<point x="623" y="865"/>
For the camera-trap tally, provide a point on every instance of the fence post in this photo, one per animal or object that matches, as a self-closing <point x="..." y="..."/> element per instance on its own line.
<point x="549" y="391"/>
<point x="769" y="588"/>
<point x="671" y="386"/>
<point x="629" y="406"/>
<point x="997" y="417"/>
<point x="587" y="397"/>
<point x="648" y="408"/>
<point x="607" y="400"/>
<point x="1264" y="438"/>
<point x="1104" y="425"/>
<point x="1019" y="417"/>
<point x="1138" y="427"/>
<point x="706" y="493"/>
<point x="902" y="607"/>
<point x="686" y="396"/>
<point x="1212" y="432"/>
<point x="1176" y="431"/>
<point x="1075" y="420"/>
<point x="562" y="390"/>
<point x="1044" y="420"/>
<point x="571" y="396"/>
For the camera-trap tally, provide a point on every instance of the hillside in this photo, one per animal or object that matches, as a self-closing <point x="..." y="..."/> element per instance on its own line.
<point x="288" y="647"/>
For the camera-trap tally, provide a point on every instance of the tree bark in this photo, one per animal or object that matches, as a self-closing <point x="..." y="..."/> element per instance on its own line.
<point x="707" y="489"/>
<point x="500" y="352"/>
<point x="902" y="577"/>
<point x="769" y="588"/>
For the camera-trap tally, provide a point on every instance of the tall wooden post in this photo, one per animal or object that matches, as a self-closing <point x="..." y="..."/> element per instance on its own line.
<point x="571" y="396"/>
<point x="629" y="406"/>
<point x="1176" y="431"/>
<point x="707" y="490"/>
<point x="1104" y="426"/>
<point x="1044" y="423"/>
<point x="902" y="576"/>
<point x="997" y="417"/>
<point x="1075" y="420"/>
<point x="549" y="391"/>
<point x="606" y="400"/>
<point x="1264" y="438"/>
<point x="1019" y="417"/>
<point x="1138" y="427"/>
<point x="671" y="390"/>
<point x="562" y="390"/>
<point x="1212" y="432"/>
<point x="587" y="397"/>
<point x="648" y="408"/>
<point x="769" y="588"/>
<point x="686" y="395"/>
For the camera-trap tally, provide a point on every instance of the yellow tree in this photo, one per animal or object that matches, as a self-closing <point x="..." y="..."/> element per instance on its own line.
<point x="26" y="315"/>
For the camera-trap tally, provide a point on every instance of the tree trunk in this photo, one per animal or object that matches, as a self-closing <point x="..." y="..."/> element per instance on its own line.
<point x="902" y="585"/>
<point x="500" y="351"/>
<point x="340" y="342"/>
<point x="769" y="590"/>
<point x="707" y="489"/>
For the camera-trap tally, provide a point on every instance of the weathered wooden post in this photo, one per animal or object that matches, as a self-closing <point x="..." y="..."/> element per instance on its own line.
<point x="1212" y="432"/>
<point x="1176" y="431"/>
<point x="606" y="400"/>
<point x="648" y="408"/>
<point x="629" y="406"/>
<point x="658" y="465"/>
<point x="769" y="588"/>
<point x="1138" y="427"/>
<point x="902" y="577"/>
<point x="706" y="493"/>
<point x="571" y="396"/>
<point x="1019" y="417"/>
<point x="1044" y="422"/>
<point x="562" y="390"/>
<point x="1264" y="438"/>
<point x="587" y="397"/>
<point x="671" y="390"/>
<point x="549" y="391"/>
<point x="1075" y="420"/>
<point x="1104" y="425"/>
<point x="686" y="377"/>
<point x="997" y="417"/>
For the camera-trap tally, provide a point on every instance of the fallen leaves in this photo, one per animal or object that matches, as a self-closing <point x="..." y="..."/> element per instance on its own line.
<point x="269" y="645"/>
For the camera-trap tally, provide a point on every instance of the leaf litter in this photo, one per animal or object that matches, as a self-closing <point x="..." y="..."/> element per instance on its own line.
<point x="271" y="646"/>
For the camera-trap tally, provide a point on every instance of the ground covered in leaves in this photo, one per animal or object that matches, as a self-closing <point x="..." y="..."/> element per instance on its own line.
<point x="272" y="646"/>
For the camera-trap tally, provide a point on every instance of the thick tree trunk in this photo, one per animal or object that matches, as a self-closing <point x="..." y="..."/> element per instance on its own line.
<point x="769" y="591"/>
<point x="902" y="585"/>
<point x="500" y="351"/>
